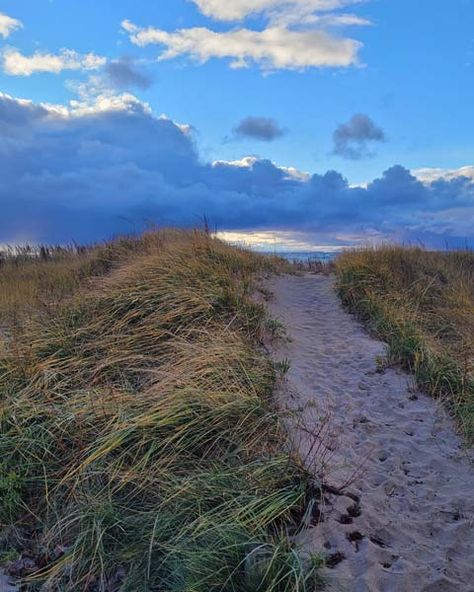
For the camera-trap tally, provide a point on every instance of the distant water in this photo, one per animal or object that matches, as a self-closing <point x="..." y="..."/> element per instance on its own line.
<point x="305" y="255"/>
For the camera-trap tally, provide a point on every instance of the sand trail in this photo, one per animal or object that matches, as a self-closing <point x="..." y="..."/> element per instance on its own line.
<point x="408" y="524"/>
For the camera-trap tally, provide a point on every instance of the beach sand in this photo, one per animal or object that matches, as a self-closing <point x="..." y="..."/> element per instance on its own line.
<point x="5" y="585"/>
<point x="406" y="520"/>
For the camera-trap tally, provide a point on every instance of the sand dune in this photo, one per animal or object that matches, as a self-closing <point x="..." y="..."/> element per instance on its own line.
<point x="407" y="524"/>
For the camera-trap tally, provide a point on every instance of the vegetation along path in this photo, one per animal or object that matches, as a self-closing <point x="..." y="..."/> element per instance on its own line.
<point x="405" y="519"/>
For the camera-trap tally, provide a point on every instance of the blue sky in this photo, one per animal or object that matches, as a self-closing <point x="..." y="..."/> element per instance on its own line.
<point x="393" y="82"/>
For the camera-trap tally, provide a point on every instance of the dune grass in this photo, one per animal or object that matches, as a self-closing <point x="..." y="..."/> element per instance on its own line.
<point x="422" y="304"/>
<point x="139" y="446"/>
<point x="39" y="278"/>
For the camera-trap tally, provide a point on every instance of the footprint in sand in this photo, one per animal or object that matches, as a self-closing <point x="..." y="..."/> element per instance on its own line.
<point x="412" y="526"/>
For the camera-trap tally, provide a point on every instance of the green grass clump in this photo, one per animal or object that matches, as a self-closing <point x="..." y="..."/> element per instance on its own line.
<point x="422" y="304"/>
<point x="139" y="445"/>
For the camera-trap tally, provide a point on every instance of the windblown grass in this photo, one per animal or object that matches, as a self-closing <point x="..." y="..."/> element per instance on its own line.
<point x="422" y="304"/>
<point x="33" y="278"/>
<point x="139" y="446"/>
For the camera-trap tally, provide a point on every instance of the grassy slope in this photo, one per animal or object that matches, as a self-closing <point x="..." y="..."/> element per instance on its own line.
<point x="139" y="446"/>
<point x="422" y="304"/>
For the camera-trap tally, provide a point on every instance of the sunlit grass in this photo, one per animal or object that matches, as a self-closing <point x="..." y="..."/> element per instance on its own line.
<point x="422" y="303"/>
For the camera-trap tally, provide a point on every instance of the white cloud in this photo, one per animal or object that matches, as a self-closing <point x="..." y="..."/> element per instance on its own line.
<point x="271" y="49"/>
<point x="236" y="10"/>
<point x="8" y="25"/>
<point x="17" y="64"/>
<point x="428" y="175"/>
<point x="296" y="174"/>
<point x="90" y="88"/>
<point x="247" y="162"/>
<point x="107" y="103"/>
<point x="343" y="20"/>
<point x="183" y="127"/>
<point x="86" y="106"/>
<point x="95" y="97"/>
<point x="89" y="104"/>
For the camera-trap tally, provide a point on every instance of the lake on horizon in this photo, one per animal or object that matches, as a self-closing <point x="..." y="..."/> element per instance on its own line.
<point x="304" y="255"/>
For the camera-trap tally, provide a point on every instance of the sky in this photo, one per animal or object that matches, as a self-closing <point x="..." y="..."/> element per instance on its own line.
<point x="295" y="124"/>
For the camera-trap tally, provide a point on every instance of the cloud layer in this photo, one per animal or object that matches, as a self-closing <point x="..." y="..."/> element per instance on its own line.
<point x="353" y="139"/>
<point x="96" y="168"/>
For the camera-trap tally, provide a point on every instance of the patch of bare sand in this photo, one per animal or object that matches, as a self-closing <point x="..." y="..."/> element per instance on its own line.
<point x="408" y="525"/>
<point x="5" y="585"/>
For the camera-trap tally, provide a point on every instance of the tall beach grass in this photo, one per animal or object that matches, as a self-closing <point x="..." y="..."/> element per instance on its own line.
<point x="140" y="449"/>
<point x="422" y="304"/>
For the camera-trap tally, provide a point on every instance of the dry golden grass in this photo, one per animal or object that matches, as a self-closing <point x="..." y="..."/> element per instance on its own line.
<point x="39" y="278"/>
<point x="139" y="445"/>
<point x="422" y="303"/>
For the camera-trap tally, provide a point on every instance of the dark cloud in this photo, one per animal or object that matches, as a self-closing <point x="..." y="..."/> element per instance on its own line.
<point x="123" y="74"/>
<point x="259" y="128"/>
<point x="15" y="113"/>
<point x="93" y="172"/>
<point x="352" y="139"/>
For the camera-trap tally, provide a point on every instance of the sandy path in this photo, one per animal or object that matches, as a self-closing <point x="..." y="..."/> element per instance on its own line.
<point x="413" y="529"/>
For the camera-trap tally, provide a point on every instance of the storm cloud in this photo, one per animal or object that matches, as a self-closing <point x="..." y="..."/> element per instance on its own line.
<point x="353" y="139"/>
<point x="91" y="170"/>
